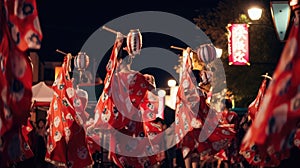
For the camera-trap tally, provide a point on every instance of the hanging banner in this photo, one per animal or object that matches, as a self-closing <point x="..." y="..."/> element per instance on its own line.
<point x="238" y="44"/>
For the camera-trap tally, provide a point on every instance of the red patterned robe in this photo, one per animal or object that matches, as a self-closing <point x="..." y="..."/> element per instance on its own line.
<point x="19" y="31"/>
<point x="198" y="128"/>
<point x="67" y="143"/>
<point x="275" y="129"/>
<point x="254" y="106"/>
<point x="127" y="108"/>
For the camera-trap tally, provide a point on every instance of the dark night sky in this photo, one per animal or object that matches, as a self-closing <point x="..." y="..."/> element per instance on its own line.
<point x="67" y="24"/>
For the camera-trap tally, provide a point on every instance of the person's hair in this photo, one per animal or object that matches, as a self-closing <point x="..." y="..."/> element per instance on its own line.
<point x="227" y="103"/>
<point x="159" y="120"/>
<point x="197" y="75"/>
<point x="37" y="123"/>
<point x="122" y="54"/>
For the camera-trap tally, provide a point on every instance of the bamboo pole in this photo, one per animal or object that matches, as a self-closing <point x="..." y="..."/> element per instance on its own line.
<point x="111" y="30"/>
<point x="178" y="48"/>
<point x="64" y="53"/>
<point x="182" y="49"/>
<point x="59" y="51"/>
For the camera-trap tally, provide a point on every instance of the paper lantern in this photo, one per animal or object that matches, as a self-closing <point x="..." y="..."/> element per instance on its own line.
<point x="81" y="61"/>
<point x="206" y="53"/>
<point x="134" y="42"/>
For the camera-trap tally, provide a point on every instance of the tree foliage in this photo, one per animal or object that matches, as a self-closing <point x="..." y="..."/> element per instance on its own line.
<point x="265" y="48"/>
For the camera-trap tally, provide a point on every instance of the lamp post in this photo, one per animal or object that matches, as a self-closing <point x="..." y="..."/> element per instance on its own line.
<point x="161" y="104"/>
<point x="260" y="24"/>
<point x="281" y="13"/>
<point x="173" y="92"/>
<point x="171" y="83"/>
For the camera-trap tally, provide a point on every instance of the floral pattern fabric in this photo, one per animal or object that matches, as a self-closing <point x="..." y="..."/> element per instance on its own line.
<point x="128" y="108"/>
<point x="197" y="126"/>
<point x="274" y="130"/>
<point x="19" y="31"/>
<point x="253" y="107"/>
<point x="67" y="144"/>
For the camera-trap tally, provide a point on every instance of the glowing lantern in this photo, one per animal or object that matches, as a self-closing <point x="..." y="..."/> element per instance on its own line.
<point x="206" y="53"/>
<point x="134" y="42"/>
<point x="81" y="61"/>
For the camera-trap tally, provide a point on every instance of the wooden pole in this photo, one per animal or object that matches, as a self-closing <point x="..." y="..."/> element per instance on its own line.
<point x="59" y="51"/>
<point x="64" y="53"/>
<point x="111" y="30"/>
<point x="178" y="48"/>
<point x="182" y="49"/>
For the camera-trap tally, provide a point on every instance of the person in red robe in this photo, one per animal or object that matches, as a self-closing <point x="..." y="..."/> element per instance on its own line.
<point x="67" y="144"/>
<point x="19" y="32"/>
<point x="199" y="129"/>
<point x="127" y="111"/>
<point x="275" y="129"/>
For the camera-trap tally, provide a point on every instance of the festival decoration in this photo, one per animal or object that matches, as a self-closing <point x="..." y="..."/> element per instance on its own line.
<point x="207" y="53"/>
<point x="133" y="40"/>
<point x="81" y="62"/>
<point x="197" y="64"/>
<point x="238" y="44"/>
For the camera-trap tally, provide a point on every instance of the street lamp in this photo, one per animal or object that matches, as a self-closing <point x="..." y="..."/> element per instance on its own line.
<point x="173" y="93"/>
<point x="255" y="13"/>
<point x="171" y="83"/>
<point x="281" y="13"/>
<point x="161" y="104"/>
<point x="219" y="52"/>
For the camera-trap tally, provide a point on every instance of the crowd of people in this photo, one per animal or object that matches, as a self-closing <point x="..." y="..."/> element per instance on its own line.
<point x="132" y="123"/>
